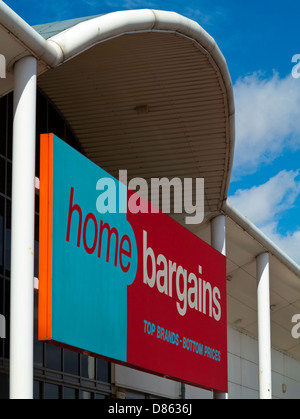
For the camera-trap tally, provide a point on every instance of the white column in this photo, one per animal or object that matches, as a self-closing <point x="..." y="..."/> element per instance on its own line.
<point x="218" y="242"/>
<point x="264" y="326"/>
<point x="22" y="239"/>
<point x="218" y="236"/>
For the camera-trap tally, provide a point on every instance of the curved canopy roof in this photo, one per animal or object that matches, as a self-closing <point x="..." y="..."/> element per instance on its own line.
<point x="147" y="91"/>
<point x="143" y="90"/>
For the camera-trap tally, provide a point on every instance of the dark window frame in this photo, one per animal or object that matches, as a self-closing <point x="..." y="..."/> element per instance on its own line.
<point x="59" y="375"/>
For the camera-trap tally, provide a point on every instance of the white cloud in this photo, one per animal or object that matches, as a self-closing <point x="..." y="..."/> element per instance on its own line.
<point x="265" y="204"/>
<point x="290" y="243"/>
<point x="267" y="125"/>
<point x="267" y="120"/>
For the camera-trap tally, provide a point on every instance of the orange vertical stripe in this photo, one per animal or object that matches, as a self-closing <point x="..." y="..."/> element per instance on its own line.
<point x="45" y="237"/>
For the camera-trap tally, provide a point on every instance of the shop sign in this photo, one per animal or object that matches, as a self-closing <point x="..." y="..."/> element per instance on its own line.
<point x="137" y="289"/>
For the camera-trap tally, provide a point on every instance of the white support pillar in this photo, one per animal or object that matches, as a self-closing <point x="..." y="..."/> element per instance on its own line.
<point x="22" y="239"/>
<point x="218" y="242"/>
<point x="218" y="236"/>
<point x="264" y="326"/>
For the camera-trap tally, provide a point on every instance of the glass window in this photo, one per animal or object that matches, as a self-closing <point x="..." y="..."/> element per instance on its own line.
<point x="51" y="391"/>
<point x="100" y="396"/>
<point x="71" y="362"/>
<point x="1" y="297"/>
<point x="8" y="178"/>
<point x="70" y="139"/>
<point x="84" y="366"/>
<point x="36" y="390"/>
<point x="53" y="357"/>
<point x="103" y="371"/>
<point x="38" y="346"/>
<point x="36" y="247"/>
<point x="41" y="126"/>
<point x="9" y="125"/>
<point x="4" y="390"/>
<point x="2" y="313"/>
<point x="8" y="238"/>
<point x="134" y="395"/>
<point x="7" y="316"/>
<point x="69" y="393"/>
<point x="3" y="126"/>
<point x="86" y="395"/>
<point x="88" y="365"/>
<point x="55" y="123"/>
<point x="1" y="235"/>
<point x="2" y="175"/>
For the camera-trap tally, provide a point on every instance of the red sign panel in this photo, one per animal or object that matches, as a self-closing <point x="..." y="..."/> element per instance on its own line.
<point x="177" y="322"/>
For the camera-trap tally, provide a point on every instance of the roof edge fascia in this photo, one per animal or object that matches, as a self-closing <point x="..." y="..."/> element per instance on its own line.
<point x="84" y="35"/>
<point x="26" y="36"/>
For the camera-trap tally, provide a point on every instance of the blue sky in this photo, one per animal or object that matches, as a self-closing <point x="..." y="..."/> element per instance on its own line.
<point x="258" y="40"/>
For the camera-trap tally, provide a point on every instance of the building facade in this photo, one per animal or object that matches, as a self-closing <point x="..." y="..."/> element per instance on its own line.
<point x="149" y="92"/>
<point x="62" y="365"/>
